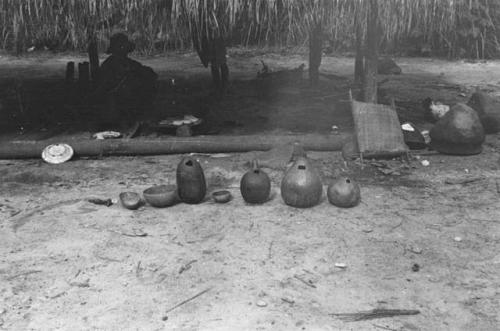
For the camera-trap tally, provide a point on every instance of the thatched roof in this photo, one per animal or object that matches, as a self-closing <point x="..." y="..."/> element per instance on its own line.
<point x="284" y="22"/>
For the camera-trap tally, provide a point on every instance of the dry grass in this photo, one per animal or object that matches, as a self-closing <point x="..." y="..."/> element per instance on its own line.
<point x="459" y="27"/>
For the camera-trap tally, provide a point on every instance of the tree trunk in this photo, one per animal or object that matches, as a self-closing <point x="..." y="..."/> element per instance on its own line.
<point x="359" y="64"/>
<point x="315" y="52"/>
<point x="371" y="55"/>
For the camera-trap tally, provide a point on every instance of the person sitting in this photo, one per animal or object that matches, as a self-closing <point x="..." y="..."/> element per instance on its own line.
<point x="125" y="85"/>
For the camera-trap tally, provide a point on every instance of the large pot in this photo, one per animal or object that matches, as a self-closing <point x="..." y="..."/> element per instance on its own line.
<point x="301" y="187"/>
<point x="191" y="183"/>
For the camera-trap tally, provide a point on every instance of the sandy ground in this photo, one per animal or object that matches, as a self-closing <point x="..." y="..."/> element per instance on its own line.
<point x="415" y="242"/>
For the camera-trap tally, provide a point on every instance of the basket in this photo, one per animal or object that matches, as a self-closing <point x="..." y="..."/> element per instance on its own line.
<point x="378" y="130"/>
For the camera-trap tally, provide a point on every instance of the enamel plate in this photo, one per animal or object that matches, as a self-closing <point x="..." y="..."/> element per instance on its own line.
<point x="57" y="153"/>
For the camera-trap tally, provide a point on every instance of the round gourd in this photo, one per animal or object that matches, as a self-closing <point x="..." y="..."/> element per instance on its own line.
<point x="255" y="185"/>
<point x="344" y="192"/>
<point x="191" y="183"/>
<point x="301" y="186"/>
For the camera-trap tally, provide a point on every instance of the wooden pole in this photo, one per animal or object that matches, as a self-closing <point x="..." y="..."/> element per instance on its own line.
<point x="315" y="53"/>
<point x="70" y="73"/>
<point x="176" y="145"/>
<point x="83" y="77"/>
<point x="93" y="58"/>
<point x="359" y="62"/>
<point x="371" y="55"/>
<point x="69" y="82"/>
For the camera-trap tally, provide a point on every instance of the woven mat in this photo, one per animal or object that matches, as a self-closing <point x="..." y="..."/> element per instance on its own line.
<point x="378" y="130"/>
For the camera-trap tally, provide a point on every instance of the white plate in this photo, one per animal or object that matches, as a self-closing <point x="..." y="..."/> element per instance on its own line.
<point x="57" y="153"/>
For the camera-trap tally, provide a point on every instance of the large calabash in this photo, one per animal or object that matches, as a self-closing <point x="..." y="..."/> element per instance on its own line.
<point x="191" y="184"/>
<point x="301" y="186"/>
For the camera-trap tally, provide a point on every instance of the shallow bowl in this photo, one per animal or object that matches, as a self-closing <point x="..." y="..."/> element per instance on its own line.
<point x="130" y="200"/>
<point x="222" y="196"/>
<point x="161" y="196"/>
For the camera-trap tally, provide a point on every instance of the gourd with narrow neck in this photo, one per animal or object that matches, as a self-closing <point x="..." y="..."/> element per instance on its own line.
<point x="301" y="186"/>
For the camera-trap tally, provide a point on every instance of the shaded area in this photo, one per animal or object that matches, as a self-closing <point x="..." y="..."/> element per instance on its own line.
<point x="40" y="108"/>
<point x="252" y="106"/>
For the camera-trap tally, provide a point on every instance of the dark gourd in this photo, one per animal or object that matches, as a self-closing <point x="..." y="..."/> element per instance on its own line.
<point x="344" y="192"/>
<point x="191" y="183"/>
<point x="255" y="185"/>
<point x="301" y="187"/>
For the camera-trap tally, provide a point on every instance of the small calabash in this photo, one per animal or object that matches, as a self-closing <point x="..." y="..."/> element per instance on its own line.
<point x="255" y="185"/>
<point x="344" y="192"/>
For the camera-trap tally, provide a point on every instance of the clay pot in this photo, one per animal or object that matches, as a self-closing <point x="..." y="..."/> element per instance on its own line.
<point x="459" y="132"/>
<point x="255" y="185"/>
<point x="301" y="187"/>
<point x="191" y="185"/>
<point x="488" y="110"/>
<point x="344" y="192"/>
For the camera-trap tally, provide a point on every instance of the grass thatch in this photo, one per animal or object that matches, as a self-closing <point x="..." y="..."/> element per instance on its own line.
<point x="453" y="27"/>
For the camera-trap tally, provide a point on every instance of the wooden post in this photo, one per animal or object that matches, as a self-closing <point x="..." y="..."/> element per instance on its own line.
<point x="359" y="62"/>
<point x="83" y="77"/>
<point x="371" y="54"/>
<point x="93" y="58"/>
<point x="315" y="53"/>
<point x="70" y="73"/>
<point x="69" y="82"/>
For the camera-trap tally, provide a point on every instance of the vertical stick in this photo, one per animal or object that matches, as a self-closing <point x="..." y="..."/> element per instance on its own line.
<point x="69" y="81"/>
<point x="83" y="77"/>
<point x="359" y="65"/>
<point x="371" y="56"/>
<point x="93" y="58"/>
<point x="315" y="50"/>
<point x="70" y="73"/>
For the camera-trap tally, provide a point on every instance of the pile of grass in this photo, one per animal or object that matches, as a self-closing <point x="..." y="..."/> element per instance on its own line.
<point x="452" y="27"/>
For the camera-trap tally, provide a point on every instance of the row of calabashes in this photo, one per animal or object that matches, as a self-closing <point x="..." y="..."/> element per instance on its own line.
<point x="301" y="186"/>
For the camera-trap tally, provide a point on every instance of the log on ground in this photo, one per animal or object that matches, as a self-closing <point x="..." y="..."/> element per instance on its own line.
<point x="175" y="145"/>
